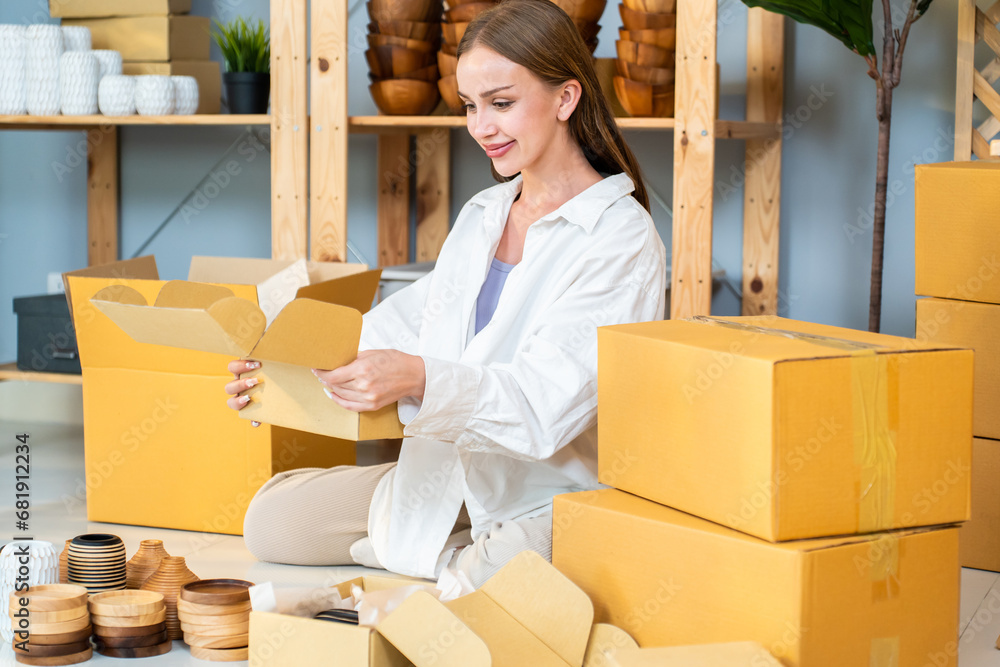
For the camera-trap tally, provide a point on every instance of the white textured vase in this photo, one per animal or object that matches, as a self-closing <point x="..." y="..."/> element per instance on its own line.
<point x="76" y="38"/>
<point x="111" y="61"/>
<point x="116" y="95"/>
<point x="154" y="95"/>
<point x="185" y="95"/>
<point x="44" y="46"/>
<point x="79" y="74"/>
<point x="12" y="69"/>
<point x="42" y="568"/>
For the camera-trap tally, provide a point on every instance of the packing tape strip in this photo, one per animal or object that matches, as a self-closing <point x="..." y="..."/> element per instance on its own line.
<point x="884" y="652"/>
<point x="875" y="409"/>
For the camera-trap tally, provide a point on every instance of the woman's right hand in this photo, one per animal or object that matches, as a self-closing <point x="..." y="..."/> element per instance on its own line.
<point x="235" y="389"/>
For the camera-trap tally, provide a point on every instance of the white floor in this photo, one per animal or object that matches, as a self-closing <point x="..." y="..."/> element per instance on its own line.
<point x="57" y="470"/>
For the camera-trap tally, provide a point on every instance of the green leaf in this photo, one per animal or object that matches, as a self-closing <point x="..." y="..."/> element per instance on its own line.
<point x="850" y="21"/>
<point x="245" y="47"/>
<point x="923" y="6"/>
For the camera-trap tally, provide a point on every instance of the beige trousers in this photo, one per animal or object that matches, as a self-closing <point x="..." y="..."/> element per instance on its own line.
<point x="312" y="516"/>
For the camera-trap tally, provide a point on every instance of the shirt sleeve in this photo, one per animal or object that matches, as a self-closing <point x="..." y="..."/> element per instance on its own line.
<point x="547" y="395"/>
<point x="395" y="322"/>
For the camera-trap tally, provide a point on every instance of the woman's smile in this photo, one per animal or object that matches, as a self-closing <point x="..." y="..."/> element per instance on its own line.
<point x="494" y="151"/>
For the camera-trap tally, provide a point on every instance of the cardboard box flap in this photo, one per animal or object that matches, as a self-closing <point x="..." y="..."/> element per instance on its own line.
<point x="605" y="641"/>
<point x="229" y="326"/>
<point x="322" y="271"/>
<point x="354" y="291"/>
<point x="312" y="334"/>
<point x="246" y="270"/>
<point x="184" y="294"/>
<point x="427" y="633"/>
<point x="735" y="654"/>
<point x="140" y="268"/>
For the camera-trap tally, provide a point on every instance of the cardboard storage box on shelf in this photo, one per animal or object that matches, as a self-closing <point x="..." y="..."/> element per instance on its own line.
<point x="957" y="231"/>
<point x="669" y="578"/>
<point x="526" y="614"/>
<point x="158" y="38"/>
<point x="784" y="429"/>
<point x="161" y="447"/>
<point x="976" y="326"/>
<point x="207" y="73"/>
<point x="103" y="8"/>
<point x="980" y="536"/>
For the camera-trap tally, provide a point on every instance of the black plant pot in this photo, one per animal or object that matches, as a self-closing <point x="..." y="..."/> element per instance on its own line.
<point x="247" y="92"/>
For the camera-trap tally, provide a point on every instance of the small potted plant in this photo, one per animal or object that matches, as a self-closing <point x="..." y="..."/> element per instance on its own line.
<point x="246" y="48"/>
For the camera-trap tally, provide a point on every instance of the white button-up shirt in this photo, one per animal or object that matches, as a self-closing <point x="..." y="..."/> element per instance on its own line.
<point x="509" y="415"/>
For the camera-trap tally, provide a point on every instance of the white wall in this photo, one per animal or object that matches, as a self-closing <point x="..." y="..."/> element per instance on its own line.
<point x="827" y="179"/>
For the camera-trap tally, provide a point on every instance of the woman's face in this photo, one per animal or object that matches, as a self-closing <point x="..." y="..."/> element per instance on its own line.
<point x="511" y="113"/>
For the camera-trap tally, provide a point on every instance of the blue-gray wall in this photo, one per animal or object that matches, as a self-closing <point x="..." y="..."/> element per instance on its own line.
<point x="827" y="177"/>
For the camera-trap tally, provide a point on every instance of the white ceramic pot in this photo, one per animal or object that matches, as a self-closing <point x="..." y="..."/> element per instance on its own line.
<point x="111" y="61"/>
<point x="76" y="38"/>
<point x="13" y="54"/>
<point x="43" y="47"/>
<point x="79" y="74"/>
<point x="185" y="95"/>
<point x="42" y="567"/>
<point x="154" y="95"/>
<point x="116" y="95"/>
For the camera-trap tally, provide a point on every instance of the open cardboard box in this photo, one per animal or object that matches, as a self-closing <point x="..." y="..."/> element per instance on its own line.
<point x="161" y="447"/>
<point x="526" y="614"/>
<point x="733" y="654"/>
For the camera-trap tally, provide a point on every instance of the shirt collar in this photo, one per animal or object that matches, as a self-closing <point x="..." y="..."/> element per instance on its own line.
<point x="584" y="210"/>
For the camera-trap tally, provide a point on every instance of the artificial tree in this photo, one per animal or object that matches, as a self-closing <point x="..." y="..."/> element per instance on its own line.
<point x="850" y="21"/>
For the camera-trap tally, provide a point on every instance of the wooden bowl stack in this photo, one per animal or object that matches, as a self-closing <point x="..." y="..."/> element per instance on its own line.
<point x="645" y="64"/>
<point x="57" y="630"/>
<point x="403" y="37"/>
<point x="97" y="562"/>
<point x="129" y="624"/>
<point x="215" y="618"/>
<point x="457" y="16"/>
<point x="586" y="14"/>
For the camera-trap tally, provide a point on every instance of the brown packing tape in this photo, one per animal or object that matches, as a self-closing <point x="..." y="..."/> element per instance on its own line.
<point x="884" y="652"/>
<point x="875" y="398"/>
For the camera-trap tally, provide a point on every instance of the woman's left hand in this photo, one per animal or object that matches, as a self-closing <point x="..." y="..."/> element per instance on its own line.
<point x="374" y="380"/>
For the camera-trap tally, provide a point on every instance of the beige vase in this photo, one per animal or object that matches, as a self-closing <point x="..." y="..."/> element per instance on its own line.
<point x="144" y="563"/>
<point x="168" y="579"/>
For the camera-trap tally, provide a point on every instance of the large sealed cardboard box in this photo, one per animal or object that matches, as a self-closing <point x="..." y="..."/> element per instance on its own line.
<point x="980" y="535"/>
<point x="976" y="326"/>
<point x="207" y="73"/>
<point x="957" y="230"/>
<point x="102" y="8"/>
<point x="784" y="429"/>
<point x="159" y="38"/>
<point x="161" y="447"/>
<point x="670" y="579"/>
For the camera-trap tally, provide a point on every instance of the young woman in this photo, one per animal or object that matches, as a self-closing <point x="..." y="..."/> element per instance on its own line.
<point x="493" y="356"/>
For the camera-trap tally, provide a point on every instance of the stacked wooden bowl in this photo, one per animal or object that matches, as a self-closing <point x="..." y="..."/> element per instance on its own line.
<point x="215" y="618"/>
<point x="403" y="37"/>
<point x="645" y="64"/>
<point x="97" y="562"/>
<point x="457" y="16"/>
<point x="586" y="14"/>
<point x="129" y="624"/>
<point x="57" y="628"/>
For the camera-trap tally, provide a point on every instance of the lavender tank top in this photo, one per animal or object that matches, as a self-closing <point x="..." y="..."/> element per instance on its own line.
<point x="489" y="295"/>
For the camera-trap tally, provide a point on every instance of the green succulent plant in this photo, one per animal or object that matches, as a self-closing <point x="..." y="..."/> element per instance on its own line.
<point x="246" y="47"/>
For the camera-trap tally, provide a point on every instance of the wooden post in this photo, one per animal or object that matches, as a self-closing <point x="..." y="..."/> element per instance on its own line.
<point x="102" y="195"/>
<point x="328" y="132"/>
<point x="964" y="79"/>
<point x="433" y="191"/>
<point x="762" y="193"/>
<point x="694" y="158"/>
<point x="289" y="131"/>
<point x="393" y="214"/>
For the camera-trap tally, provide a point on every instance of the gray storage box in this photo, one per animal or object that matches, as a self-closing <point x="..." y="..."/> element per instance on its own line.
<point x="46" y="339"/>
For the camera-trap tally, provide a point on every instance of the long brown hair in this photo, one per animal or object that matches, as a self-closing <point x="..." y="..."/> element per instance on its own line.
<point x="539" y="35"/>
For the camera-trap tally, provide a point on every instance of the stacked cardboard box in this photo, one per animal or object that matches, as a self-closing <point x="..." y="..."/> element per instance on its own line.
<point x="153" y="36"/>
<point x="958" y="266"/>
<point x="771" y="481"/>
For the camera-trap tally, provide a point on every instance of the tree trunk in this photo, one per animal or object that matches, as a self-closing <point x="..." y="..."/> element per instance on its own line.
<point x="878" y="231"/>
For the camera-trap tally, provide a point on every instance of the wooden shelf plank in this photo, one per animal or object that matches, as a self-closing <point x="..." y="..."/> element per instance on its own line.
<point x="11" y="372"/>
<point x="72" y="122"/>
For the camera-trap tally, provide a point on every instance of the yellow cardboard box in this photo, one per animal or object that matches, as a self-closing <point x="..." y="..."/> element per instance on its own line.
<point x="207" y="73"/>
<point x="672" y="579"/>
<point x="980" y="535"/>
<point x="784" y="429"/>
<point x="976" y="326"/>
<point x="733" y="654"/>
<point x="142" y="38"/>
<point x="101" y="8"/>
<point x="957" y="230"/>
<point x="161" y="447"/>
